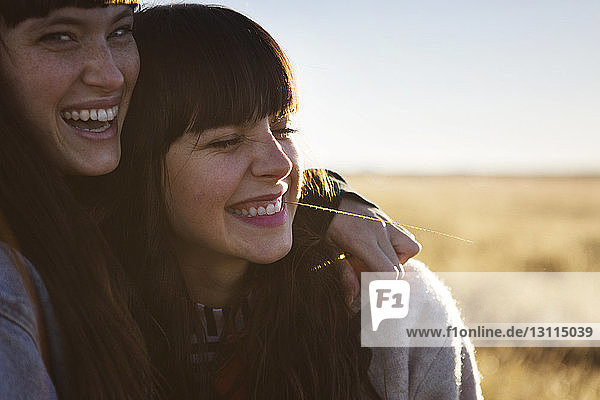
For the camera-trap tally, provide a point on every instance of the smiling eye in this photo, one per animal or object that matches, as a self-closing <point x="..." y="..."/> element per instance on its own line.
<point x="57" y="37"/>
<point x="283" y="133"/>
<point x="225" y="144"/>
<point x="123" y="31"/>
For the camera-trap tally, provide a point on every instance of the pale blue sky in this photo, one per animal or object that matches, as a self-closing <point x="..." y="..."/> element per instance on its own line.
<point x="444" y="86"/>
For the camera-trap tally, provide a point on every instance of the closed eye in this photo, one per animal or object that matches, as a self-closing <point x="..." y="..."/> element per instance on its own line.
<point x="225" y="144"/>
<point x="283" y="133"/>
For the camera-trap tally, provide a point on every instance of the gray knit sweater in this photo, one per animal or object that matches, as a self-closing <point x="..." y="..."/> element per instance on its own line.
<point x="427" y="373"/>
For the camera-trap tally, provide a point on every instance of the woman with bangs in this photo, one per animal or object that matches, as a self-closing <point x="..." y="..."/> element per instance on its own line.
<point x="232" y="304"/>
<point x="67" y="71"/>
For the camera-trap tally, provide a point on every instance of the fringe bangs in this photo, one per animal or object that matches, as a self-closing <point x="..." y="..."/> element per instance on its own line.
<point x="14" y="12"/>
<point x="236" y="74"/>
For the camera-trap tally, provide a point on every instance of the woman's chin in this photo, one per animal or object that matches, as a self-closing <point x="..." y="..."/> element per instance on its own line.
<point x="269" y="254"/>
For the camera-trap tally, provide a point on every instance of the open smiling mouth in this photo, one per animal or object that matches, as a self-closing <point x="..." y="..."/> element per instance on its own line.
<point x="263" y="208"/>
<point x="96" y="120"/>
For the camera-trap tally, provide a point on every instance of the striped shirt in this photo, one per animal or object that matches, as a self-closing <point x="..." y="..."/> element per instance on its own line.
<point x="214" y="321"/>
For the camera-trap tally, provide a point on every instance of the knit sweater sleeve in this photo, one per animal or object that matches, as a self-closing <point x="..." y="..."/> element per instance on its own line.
<point x="428" y="373"/>
<point x="448" y="372"/>
<point x="444" y="373"/>
<point x="23" y="374"/>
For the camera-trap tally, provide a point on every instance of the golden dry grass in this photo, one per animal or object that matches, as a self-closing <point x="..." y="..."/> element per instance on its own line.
<point x="516" y="224"/>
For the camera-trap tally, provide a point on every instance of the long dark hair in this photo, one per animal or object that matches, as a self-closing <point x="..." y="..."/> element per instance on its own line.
<point x="204" y="67"/>
<point x="103" y="347"/>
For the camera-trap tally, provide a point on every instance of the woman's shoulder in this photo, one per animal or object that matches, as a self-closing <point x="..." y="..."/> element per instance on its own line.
<point x="22" y="370"/>
<point x="444" y="369"/>
<point x="15" y="303"/>
<point x="430" y="296"/>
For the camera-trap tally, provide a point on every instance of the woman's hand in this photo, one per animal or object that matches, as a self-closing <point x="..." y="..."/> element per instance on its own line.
<point x="374" y="246"/>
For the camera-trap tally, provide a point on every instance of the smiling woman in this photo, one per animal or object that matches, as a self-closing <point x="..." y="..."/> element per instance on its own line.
<point x="203" y="220"/>
<point x="74" y="71"/>
<point x="65" y="328"/>
<point x="202" y="192"/>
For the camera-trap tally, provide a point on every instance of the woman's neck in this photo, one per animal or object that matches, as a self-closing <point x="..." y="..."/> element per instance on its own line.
<point x="212" y="278"/>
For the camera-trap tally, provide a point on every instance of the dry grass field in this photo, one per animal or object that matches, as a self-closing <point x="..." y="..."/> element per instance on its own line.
<point x="516" y="224"/>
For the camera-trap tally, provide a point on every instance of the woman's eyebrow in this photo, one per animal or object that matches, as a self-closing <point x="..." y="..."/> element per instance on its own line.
<point x="212" y="133"/>
<point x="79" y="21"/>
<point x="124" y="14"/>
<point x="61" y="20"/>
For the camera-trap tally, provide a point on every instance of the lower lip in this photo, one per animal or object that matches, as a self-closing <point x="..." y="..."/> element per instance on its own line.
<point x="265" y="221"/>
<point x="107" y="134"/>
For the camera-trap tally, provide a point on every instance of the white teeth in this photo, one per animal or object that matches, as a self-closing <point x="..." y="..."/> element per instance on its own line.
<point x="98" y="130"/>
<point x="270" y="209"/>
<point x="100" y="114"/>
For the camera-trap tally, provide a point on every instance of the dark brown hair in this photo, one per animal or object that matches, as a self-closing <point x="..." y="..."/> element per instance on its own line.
<point x="204" y="67"/>
<point x="103" y="348"/>
<point x="102" y="345"/>
<point x="14" y="12"/>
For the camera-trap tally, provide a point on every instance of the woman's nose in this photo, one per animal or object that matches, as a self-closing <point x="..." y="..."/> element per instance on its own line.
<point x="102" y="71"/>
<point x="270" y="160"/>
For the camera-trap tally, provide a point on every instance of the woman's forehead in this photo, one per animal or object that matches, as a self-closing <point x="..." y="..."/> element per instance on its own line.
<point x="82" y="16"/>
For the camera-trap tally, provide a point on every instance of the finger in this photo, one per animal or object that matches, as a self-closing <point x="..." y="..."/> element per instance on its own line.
<point x="404" y="231"/>
<point x="404" y="246"/>
<point x="396" y="227"/>
<point x="357" y="265"/>
<point x="351" y="282"/>
<point x="375" y="260"/>
<point x="386" y="247"/>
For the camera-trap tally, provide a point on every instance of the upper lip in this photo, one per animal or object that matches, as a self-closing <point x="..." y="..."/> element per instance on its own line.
<point x="266" y="197"/>
<point x="95" y="104"/>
